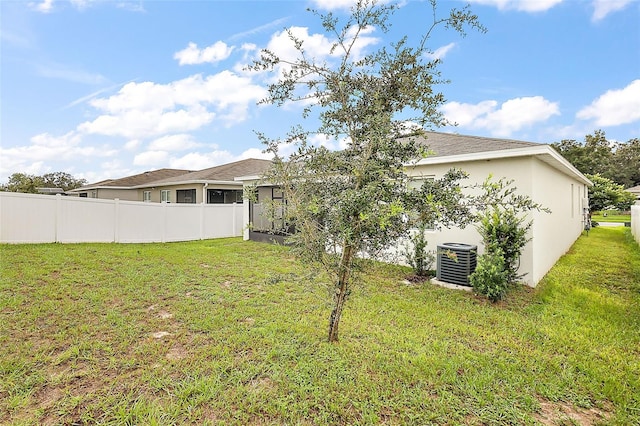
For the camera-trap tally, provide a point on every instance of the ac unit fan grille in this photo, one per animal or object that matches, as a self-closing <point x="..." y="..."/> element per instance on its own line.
<point x="456" y="261"/>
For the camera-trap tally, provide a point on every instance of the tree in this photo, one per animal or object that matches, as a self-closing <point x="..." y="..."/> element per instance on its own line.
<point x="62" y="180"/>
<point x="619" y="162"/>
<point x="21" y="182"/>
<point x="626" y="161"/>
<point x="593" y="156"/>
<point x="605" y="193"/>
<point x="349" y="202"/>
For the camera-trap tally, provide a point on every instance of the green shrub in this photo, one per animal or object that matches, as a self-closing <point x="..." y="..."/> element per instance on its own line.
<point x="417" y="256"/>
<point x="490" y="277"/>
<point x="504" y="232"/>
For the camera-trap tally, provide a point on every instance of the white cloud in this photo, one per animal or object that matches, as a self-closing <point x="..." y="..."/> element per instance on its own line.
<point x="601" y="8"/>
<point x="46" y="6"/>
<point x="204" y="160"/>
<point x="512" y="115"/>
<point x="141" y="124"/>
<point x="132" y="144"/>
<point x="45" y="149"/>
<point x="200" y="160"/>
<point x="151" y="158"/>
<point x="255" y="153"/>
<point x="192" y="55"/>
<point x="615" y="107"/>
<point x="340" y="4"/>
<point x="178" y="142"/>
<point x="334" y="4"/>
<point x="466" y="114"/>
<point x="316" y="46"/>
<point x="147" y="109"/>
<point x="441" y="52"/>
<point x="520" y="5"/>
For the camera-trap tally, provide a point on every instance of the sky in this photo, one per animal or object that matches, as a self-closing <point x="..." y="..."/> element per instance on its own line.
<point x="105" y="89"/>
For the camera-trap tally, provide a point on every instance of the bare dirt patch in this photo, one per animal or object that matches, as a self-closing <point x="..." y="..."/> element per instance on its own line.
<point x="176" y="352"/>
<point x="165" y="315"/>
<point x="563" y="413"/>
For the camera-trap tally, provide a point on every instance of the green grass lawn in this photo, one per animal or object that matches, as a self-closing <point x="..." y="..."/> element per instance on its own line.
<point x="612" y="216"/>
<point x="222" y="332"/>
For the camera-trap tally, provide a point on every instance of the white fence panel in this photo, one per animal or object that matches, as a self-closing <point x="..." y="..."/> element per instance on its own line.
<point x="635" y="222"/>
<point x="29" y="218"/>
<point x="183" y="222"/>
<point x="85" y="220"/>
<point x="224" y="221"/>
<point x="26" y="218"/>
<point x="140" y="223"/>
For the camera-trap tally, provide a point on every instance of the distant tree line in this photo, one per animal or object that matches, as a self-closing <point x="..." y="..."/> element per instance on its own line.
<point x="22" y="182"/>
<point x="611" y="166"/>
<point x="616" y="161"/>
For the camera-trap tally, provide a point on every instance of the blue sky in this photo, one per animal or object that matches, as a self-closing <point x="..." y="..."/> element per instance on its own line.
<point x="105" y="89"/>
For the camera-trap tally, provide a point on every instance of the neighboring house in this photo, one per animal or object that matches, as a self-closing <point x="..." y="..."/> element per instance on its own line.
<point x="123" y="188"/>
<point x="537" y="171"/>
<point x="635" y="190"/>
<point x="213" y="185"/>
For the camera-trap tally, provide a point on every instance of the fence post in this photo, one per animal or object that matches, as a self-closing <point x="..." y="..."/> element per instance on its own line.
<point x="163" y="239"/>
<point x="116" y="221"/>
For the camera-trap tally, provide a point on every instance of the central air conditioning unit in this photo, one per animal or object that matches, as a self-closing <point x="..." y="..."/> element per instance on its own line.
<point x="456" y="261"/>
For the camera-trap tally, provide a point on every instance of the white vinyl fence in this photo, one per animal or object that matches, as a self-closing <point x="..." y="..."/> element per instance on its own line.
<point x="29" y="218"/>
<point x="635" y="222"/>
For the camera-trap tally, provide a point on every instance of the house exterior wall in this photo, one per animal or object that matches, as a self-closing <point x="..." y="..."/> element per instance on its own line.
<point x="112" y="194"/>
<point x="555" y="233"/>
<point x="551" y="234"/>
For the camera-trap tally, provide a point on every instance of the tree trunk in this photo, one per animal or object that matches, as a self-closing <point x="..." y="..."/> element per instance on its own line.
<point x="340" y="296"/>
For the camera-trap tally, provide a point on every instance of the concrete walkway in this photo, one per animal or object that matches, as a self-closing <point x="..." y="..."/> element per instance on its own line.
<point x="608" y="224"/>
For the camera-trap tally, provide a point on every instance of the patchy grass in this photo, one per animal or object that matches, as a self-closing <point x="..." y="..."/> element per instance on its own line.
<point x="222" y="332"/>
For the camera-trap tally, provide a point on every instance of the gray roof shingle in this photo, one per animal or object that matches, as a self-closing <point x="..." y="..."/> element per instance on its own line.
<point x="224" y="172"/>
<point x="446" y="144"/>
<point x="139" y="179"/>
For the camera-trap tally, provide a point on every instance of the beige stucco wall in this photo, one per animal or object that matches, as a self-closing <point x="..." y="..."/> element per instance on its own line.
<point x="112" y="194"/>
<point x="555" y="233"/>
<point x="552" y="234"/>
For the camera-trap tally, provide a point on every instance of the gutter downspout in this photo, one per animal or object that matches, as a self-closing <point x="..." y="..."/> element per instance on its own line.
<point x="204" y="193"/>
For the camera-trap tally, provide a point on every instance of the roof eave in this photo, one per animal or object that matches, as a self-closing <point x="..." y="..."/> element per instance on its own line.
<point x="187" y="182"/>
<point x="555" y="159"/>
<point x="89" y="188"/>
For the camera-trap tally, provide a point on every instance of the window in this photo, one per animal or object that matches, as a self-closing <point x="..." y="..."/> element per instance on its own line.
<point x="186" y="196"/>
<point x="146" y="196"/>
<point x="83" y="195"/>
<point x="94" y="194"/>
<point x="165" y="196"/>
<point x="418" y="181"/>
<point x="224" y="196"/>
